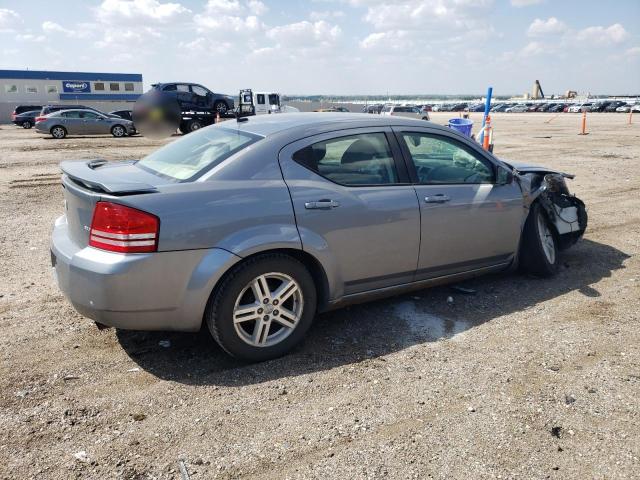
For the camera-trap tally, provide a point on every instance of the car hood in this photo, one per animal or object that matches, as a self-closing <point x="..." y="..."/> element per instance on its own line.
<point x="528" y="168"/>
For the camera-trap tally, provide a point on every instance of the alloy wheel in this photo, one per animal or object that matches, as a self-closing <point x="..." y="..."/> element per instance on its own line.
<point x="546" y="240"/>
<point x="57" y="132"/>
<point x="268" y="309"/>
<point x="118" y="131"/>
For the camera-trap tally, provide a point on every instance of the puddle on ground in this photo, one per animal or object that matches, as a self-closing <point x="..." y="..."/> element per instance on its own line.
<point x="424" y="324"/>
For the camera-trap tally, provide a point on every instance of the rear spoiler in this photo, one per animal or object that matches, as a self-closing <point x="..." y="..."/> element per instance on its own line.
<point x="88" y="174"/>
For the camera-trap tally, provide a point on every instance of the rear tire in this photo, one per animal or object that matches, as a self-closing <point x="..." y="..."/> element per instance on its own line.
<point x="58" y="132"/>
<point x="27" y="124"/>
<point x="194" y="125"/>
<point x="255" y="326"/>
<point x="539" y="246"/>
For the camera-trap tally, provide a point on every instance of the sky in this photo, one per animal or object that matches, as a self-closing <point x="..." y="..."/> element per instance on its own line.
<point x="342" y="47"/>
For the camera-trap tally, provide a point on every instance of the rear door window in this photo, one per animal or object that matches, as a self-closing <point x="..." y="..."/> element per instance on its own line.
<point x="364" y="159"/>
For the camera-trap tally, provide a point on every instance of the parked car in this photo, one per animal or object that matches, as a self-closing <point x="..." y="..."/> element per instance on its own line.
<point x="407" y="112"/>
<point x="520" y="108"/>
<point x="372" y="108"/>
<point x="47" y="109"/>
<point x="636" y="108"/>
<point x="545" y="107"/>
<point x="614" y="105"/>
<point x="426" y="107"/>
<point x="443" y="107"/>
<point x="195" y="97"/>
<point x="580" y="107"/>
<point x="459" y="107"/>
<point x="333" y="110"/>
<point x="477" y="107"/>
<point x="126" y="114"/>
<point x="25" y="119"/>
<point x="558" y="107"/>
<point x="626" y="108"/>
<point x="253" y="227"/>
<point x="600" y="106"/>
<point x="500" y="107"/>
<point x="23" y="108"/>
<point x="82" y="122"/>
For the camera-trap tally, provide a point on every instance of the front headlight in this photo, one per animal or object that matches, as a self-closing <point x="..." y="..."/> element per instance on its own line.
<point x="556" y="183"/>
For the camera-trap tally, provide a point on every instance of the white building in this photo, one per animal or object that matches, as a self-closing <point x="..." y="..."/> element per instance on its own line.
<point x="103" y="91"/>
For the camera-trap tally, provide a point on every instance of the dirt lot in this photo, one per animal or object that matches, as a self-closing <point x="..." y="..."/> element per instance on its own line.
<point x="527" y="379"/>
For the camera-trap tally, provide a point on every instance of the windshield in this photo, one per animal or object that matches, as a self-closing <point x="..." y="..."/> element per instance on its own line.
<point x="197" y="152"/>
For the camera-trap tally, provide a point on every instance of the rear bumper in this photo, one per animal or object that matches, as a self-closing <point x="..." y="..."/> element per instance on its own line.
<point x="151" y="291"/>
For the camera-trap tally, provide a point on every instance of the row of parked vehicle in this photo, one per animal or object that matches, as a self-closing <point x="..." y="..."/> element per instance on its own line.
<point x="62" y="120"/>
<point x="513" y="107"/>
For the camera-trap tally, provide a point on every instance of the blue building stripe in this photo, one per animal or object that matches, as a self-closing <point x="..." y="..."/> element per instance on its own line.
<point x="129" y="97"/>
<point x="86" y="76"/>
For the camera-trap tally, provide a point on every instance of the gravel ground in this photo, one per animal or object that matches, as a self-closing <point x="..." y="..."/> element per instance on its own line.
<point x="527" y="378"/>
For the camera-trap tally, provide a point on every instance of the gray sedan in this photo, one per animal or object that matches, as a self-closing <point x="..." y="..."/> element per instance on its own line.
<point x="83" y="122"/>
<point x="254" y="226"/>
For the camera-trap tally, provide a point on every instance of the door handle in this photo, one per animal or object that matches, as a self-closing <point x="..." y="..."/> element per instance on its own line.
<point x="439" y="198"/>
<point x="324" y="204"/>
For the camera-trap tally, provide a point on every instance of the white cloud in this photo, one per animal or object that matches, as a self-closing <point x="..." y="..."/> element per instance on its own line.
<point x="224" y="25"/>
<point x="256" y="7"/>
<point x="541" y="27"/>
<point x="423" y="14"/>
<point x="81" y="30"/>
<point x="602" y="36"/>
<point x="534" y="48"/>
<point x="29" y="37"/>
<point x="118" y="11"/>
<point x="305" y="34"/>
<point x="325" y="15"/>
<point x="8" y="20"/>
<point x="226" y="7"/>
<point x="632" y="52"/>
<point x="525" y="3"/>
<point x="393" y="40"/>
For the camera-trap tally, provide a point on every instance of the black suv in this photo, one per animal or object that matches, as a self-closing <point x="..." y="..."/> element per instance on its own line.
<point x="195" y="97"/>
<point x="23" y="108"/>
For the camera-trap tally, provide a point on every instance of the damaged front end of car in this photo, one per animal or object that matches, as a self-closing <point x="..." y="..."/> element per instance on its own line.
<point x="567" y="214"/>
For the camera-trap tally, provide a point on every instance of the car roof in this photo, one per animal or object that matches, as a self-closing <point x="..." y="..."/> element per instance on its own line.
<point x="319" y="122"/>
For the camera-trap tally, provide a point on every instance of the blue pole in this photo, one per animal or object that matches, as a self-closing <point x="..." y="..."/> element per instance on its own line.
<point x="487" y="106"/>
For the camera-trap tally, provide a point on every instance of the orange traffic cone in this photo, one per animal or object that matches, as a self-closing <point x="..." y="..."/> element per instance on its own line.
<point x="583" y="130"/>
<point x="486" y="140"/>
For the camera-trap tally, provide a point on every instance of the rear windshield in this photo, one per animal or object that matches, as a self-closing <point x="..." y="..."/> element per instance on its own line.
<point x="197" y="152"/>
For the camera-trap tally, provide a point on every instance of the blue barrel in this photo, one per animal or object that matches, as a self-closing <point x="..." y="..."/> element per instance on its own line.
<point x="462" y="125"/>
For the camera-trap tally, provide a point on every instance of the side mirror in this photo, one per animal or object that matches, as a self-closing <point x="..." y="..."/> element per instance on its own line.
<point x="504" y="176"/>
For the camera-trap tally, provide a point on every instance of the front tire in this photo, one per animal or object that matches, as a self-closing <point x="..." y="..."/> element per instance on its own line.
<point x="118" y="131"/>
<point x="220" y="107"/>
<point x="263" y="307"/>
<point x="539" y="250"/>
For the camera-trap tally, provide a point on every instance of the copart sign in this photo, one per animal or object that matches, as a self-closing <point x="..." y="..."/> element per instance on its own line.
<point x="71" y="86"/>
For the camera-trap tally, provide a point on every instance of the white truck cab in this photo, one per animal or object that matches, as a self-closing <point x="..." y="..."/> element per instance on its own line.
<point x="266" y="102"/>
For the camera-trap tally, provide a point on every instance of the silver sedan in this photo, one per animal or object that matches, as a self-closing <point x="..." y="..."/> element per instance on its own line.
<point x="253" y="226"/>
<point x="83" y="122"/>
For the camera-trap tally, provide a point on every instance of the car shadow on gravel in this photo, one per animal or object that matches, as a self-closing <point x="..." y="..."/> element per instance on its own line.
<point x="375" y="329"/>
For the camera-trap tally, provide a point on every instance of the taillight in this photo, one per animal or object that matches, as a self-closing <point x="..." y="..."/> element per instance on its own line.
<point x="123" y="229"/>
<point x="40" y="119"/>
